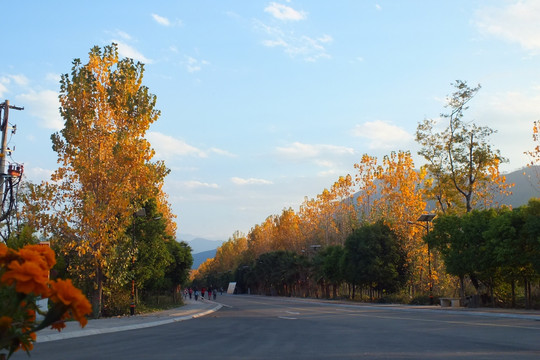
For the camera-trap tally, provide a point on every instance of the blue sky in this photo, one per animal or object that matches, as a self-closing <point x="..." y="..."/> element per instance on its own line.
<point x="266" y="102"/>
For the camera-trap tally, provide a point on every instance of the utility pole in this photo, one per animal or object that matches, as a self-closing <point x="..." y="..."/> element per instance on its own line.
<point x="4" y="150"/>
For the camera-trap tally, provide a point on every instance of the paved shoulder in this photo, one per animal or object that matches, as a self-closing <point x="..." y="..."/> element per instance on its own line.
<point x="192" y="309"/>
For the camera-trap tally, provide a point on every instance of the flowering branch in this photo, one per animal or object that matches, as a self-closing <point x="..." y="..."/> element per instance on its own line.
<point x="24" y="277"/>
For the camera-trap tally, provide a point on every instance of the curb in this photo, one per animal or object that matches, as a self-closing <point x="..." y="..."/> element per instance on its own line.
<point x="88" y="332"/>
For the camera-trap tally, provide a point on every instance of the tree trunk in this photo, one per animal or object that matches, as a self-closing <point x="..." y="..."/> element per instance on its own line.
<point x="97" y="295"/>
<point x="513" y="293"/>
<point x="462" y="286"/>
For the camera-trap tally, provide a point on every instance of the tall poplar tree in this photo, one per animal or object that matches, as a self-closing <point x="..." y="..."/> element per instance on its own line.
<point x="106" y="171"/>
<point x="460" y="159"/>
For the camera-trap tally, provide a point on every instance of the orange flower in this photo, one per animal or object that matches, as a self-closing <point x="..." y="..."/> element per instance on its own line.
<point x="5" y="322"/>
<point x="3" y="250"/>
<point x="7" y="255"/>
<point x="63" y="291"/>
<point x="28" y="276"/>
<point x="44" y="251"/>
<point x="28" y="345"/>
<point x="31" y="315"/>
<point x="58" y="325"/>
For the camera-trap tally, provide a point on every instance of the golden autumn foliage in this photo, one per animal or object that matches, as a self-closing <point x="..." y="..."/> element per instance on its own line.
<point x="106" y="171"/>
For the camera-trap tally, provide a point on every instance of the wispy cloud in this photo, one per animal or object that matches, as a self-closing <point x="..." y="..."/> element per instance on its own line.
<point x="37" y="174"/>
<point x="165" y="21"/>
<point x="221" y="152"/>
<point x="194" y="184"/>
<point x="309" y="48"/>
<point x="382" y="135"/>
<point x="3" y="89"/>
<point x="43" y="105"/>
<point x="18" y="79"/>
<point x="250" y="181"/>
<point x="167" y="146"/>
<point x="305" y="151"/>
<point x="122" y="34"/>
<point x="194" y="65"/>
<point x="125" y="50"/>
<point x="515" y="22"/>
<point x="52" y="77"/>
<point x="161" y="20"/>
<point x="284" y="12"/>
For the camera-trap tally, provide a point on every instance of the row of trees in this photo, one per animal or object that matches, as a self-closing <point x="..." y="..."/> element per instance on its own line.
<point x="495" y="249"/>
<point x="106" y="175"/>
<point x="461" y="174"/>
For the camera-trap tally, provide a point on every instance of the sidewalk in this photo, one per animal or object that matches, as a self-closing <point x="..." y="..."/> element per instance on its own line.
<point x="192" y="309"/>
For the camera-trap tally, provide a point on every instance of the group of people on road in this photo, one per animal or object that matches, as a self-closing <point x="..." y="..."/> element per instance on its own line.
<point x="194" y="292"/>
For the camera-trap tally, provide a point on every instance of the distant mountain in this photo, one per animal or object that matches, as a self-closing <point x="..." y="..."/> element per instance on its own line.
<point x="201" y="257"/>
<point x="527" y="186"/>
<point x="200" y="244"/>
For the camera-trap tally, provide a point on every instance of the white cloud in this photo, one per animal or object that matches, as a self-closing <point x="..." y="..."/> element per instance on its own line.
<point x="382" y="135"/>
<point x="221" y="152"/>
<point x="194" y="65"/>
<point x="20" y="80"/>
<point x="37" y="174"/>
<point x="309" y="48"/>
<point x="250" y="181"/>
<point x="125" y="50"/>
<point x="516" y="22"/>
<point x="167" y="146"/>
<point x="519" y="103"/>
<point x="124" y="35"/>
<point x="43" y="105"/>
<point x="55" y="78"/>
<point x="161" y="20"/>
<point x="194" y="184"/>
<point x="284" y="12"/>
<point x="3" y="89"/>
<point x="305" y="151"/>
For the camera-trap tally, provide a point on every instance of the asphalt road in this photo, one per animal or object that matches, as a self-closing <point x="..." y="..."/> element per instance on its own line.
<point x="252" y="327"/>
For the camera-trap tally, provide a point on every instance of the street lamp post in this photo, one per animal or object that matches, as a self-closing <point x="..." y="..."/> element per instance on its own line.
<point x="427" y="218"/>
<point x="138" y="213"/>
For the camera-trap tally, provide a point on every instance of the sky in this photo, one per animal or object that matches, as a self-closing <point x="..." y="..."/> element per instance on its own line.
<point x="264" y="103"/>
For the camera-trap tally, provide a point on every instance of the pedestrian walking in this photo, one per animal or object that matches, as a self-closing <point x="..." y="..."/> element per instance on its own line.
<point x="203" y="290"/>
<point x="209" y="293"/>
<point x="215" y="294"/>
<point x="190" y="290"/>
<point x="196" y="294"/>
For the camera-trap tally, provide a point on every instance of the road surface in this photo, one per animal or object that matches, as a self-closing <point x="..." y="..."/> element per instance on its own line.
<point x="255" y="327"/>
